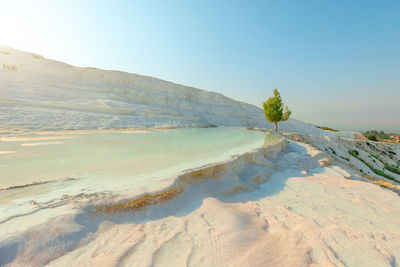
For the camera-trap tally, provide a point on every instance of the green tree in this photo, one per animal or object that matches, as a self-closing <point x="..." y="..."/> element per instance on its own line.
<point x="275" y="110"/>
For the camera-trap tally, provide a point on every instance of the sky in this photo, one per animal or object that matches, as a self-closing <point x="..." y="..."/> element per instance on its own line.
<point x="336" y="63"/>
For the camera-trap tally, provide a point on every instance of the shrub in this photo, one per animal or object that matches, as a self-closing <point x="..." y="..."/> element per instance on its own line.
<point x="392" y="169"/>
<point x="327" y="128"/>
<point x="9" y="67"/>
<point x="37" y="56"/>
<point x="354" y="153"/>
<point x="377" y="171"/>
<point x="382" y="173"/>
<point x="372" y="137"/>
<point x="345" y="158"/>
<point x="333" y="151"/>
<point x="378" y="158"/>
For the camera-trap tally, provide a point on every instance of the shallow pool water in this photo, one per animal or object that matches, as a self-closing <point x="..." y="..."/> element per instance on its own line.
<point x="116" y="162"/>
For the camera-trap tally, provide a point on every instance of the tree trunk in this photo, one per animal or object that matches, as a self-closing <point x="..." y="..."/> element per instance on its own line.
<point x="276" y="126"/>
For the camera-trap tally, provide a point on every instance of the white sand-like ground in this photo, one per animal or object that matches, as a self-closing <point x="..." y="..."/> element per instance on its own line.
<point x="307" y="214"/>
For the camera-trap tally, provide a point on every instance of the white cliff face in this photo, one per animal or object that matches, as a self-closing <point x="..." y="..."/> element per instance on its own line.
<point x="41" y="93"/>
<point x="45" y="94"/>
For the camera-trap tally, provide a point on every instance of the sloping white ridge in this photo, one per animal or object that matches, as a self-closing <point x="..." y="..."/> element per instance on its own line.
<point x="40" y="93"/>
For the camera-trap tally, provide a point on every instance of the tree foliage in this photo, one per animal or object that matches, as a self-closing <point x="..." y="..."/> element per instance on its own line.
<point x="275" y="110"/>
<point x="372" y="137"/>
<point x="378" y="134"/>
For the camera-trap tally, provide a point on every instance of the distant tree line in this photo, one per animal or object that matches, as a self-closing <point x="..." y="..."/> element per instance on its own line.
<point x="374" y="135"/>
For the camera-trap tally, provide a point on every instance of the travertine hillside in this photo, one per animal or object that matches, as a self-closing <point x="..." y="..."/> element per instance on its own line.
<point x="39" y="93"/>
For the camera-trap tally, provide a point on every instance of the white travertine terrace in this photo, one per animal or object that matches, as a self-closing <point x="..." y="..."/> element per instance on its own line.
<point x="301" y="201"/>
<point x="282" y="206"/>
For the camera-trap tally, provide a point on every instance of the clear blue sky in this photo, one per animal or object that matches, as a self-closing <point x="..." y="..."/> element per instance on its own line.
<point x="336" y="63"/>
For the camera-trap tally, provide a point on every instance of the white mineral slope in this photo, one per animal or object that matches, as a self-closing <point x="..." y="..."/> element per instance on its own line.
<point x="39" y="93"/>
<point x="372" y="156"/>
<point x="265" y="208"/>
